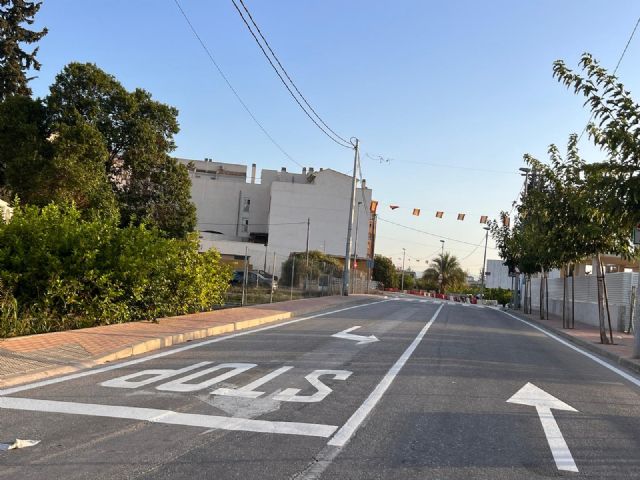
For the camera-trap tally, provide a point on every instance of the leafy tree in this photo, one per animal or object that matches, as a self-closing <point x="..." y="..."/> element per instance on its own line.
<point x="14" y="61"/>
<point x="446" y="271"/>
<point x="138" y="134"/>
<point x="384" y="271"/>
<point x="43" y="163"/>
<point x="319" y="264"/>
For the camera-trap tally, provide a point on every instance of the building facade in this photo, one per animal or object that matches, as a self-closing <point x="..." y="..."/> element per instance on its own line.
<point x="241" y="214"/>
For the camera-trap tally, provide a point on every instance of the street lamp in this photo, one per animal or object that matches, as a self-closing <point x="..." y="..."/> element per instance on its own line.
<point x="442" y="242"/>
<point x="484" y="261"/>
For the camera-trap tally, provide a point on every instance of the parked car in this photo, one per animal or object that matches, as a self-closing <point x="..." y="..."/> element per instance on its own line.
<point x="255" y="279"/>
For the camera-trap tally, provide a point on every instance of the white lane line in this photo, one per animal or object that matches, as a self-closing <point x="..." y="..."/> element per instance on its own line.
<point x="566" y="343"/>
<point x="343" y="435"/>
<point x="168" y="417"/>
<point x="85" y="373"/>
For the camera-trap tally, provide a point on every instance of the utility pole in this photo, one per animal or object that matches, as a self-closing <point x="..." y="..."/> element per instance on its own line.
<point x="245" y="275"/>
<point x="273" y="277"/>
<point x="484" y="261"/>
<point x="347" y="255"/>
<point x="404" y="252"/>
<point x="308" y="227"/>
<point x="355" y="251"/>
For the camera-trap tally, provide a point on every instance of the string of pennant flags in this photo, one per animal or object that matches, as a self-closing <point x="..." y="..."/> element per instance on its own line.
<point x="439" y="213"/>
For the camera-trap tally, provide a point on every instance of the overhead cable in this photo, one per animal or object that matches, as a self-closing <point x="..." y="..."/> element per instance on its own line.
<point x="235" y="92"/>
<point x="333" y="136"/>
<point x="429" y="233"/>
<point x="633" y="32"/>
<point x="275" y="57"/>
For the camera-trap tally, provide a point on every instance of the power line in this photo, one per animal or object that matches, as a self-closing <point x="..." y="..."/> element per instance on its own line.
<point x="429" y="233"/>
<point x="235" y="92"/>
<point x="382" y="159"/>
<point x="474" y="250"/>
<point x="287" y="75"/>
<point x="614" y="71"/>
<point x="251" y="224"/>
<point x="275" y="69"/>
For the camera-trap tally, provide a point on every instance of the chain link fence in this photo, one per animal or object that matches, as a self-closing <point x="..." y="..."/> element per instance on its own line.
<point x="296" y="276"/>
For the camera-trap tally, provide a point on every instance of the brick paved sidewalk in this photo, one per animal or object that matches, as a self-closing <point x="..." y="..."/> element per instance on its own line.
<point x="588" y="336"/>
<point x="33" y="357"/>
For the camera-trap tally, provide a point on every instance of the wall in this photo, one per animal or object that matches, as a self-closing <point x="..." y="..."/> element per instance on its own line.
<point x="498" y="275"/>
<point x="326" y="203"/>
<point x="586" y="300"/>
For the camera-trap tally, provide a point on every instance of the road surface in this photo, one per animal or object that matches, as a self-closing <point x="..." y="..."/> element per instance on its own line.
<point x="396" y="389"/>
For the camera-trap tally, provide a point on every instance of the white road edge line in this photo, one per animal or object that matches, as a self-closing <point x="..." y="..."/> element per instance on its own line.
<point x="94" y="371"/>
<point x="566" y="343"/>
<point x="345" y="433"/>
<point x="168" y="417"/>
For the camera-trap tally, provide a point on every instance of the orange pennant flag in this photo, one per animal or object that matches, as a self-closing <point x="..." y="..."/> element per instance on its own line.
<point x="393" y="207"/>
<point x="484" y="219"/>
<point x="439" y="214"/>
<point x="461" y="216"/>
<point x="374" y="206"/>
<point x="416" y="212"/>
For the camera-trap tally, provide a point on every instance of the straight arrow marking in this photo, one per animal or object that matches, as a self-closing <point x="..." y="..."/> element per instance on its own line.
<point x="357" y="338"/>
<point x="543" y="402"/>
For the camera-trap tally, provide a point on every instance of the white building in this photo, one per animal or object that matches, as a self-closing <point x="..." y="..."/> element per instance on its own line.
<point x="497" y="275"/>
<point x="237" y="214"/>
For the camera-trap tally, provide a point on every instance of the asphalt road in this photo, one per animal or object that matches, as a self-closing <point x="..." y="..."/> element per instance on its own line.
<point x="428" y="399"/>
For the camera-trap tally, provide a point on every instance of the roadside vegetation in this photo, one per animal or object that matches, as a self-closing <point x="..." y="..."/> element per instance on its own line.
<point x="571" y="209"/>
<point x="102" y="229"/>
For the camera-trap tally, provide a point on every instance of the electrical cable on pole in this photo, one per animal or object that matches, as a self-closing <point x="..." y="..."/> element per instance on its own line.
<point x="347" y="256"/>
<point x="284" y="82"/>
<point x="275" y="57"/>
<point x="233" y="90"/>
<point x="633" y="32"/>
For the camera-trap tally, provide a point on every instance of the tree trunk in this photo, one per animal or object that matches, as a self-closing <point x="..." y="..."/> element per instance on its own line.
<point x="606" y="301"/>
<point x="599" y="279"/>
<point x="564" y="296"/>
<point x="541" y="296"/>
<point x="573" y="297"/>
<point x="546" y="293"/>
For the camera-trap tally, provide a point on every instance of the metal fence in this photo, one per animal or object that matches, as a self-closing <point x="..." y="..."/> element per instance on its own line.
<point x="299" y="278"/>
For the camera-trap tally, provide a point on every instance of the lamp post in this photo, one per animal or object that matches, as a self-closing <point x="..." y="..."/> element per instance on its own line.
<point x="404" y="252"/>
<point x="484" y="261"/>
<point x="442" y="242"/>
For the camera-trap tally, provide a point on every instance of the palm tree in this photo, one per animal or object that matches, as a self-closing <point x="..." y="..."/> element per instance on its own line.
<point x="445" y="271"/>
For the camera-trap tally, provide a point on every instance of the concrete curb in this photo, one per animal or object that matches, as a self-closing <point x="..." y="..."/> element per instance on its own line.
<point x="591" y="347"/>
<point x="157" y="343"/>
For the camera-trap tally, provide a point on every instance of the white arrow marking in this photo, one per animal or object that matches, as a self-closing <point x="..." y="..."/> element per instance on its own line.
<point x="357" y="338"/>
<point x="544" y="402"/>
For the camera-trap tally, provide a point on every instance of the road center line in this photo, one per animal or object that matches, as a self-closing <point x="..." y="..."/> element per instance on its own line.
<point x="164" y="353"/>
<point x="566" y="343"/>
<point x="345" y="433"/>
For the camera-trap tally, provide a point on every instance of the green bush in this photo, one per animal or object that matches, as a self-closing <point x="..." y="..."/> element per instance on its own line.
<point x="502" y="295"/>
<point x="58" y="271"/>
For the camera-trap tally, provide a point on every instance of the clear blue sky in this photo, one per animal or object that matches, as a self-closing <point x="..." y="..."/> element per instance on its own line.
<point x="466" y="84"/>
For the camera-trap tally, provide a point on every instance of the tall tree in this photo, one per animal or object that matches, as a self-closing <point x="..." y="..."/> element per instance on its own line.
<point x="14" y="60"/>
<point x="41" y="164"/>
<point x="137" y="132"/>
<point x="445" y="270"/>
<point x="384" y="271"/>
